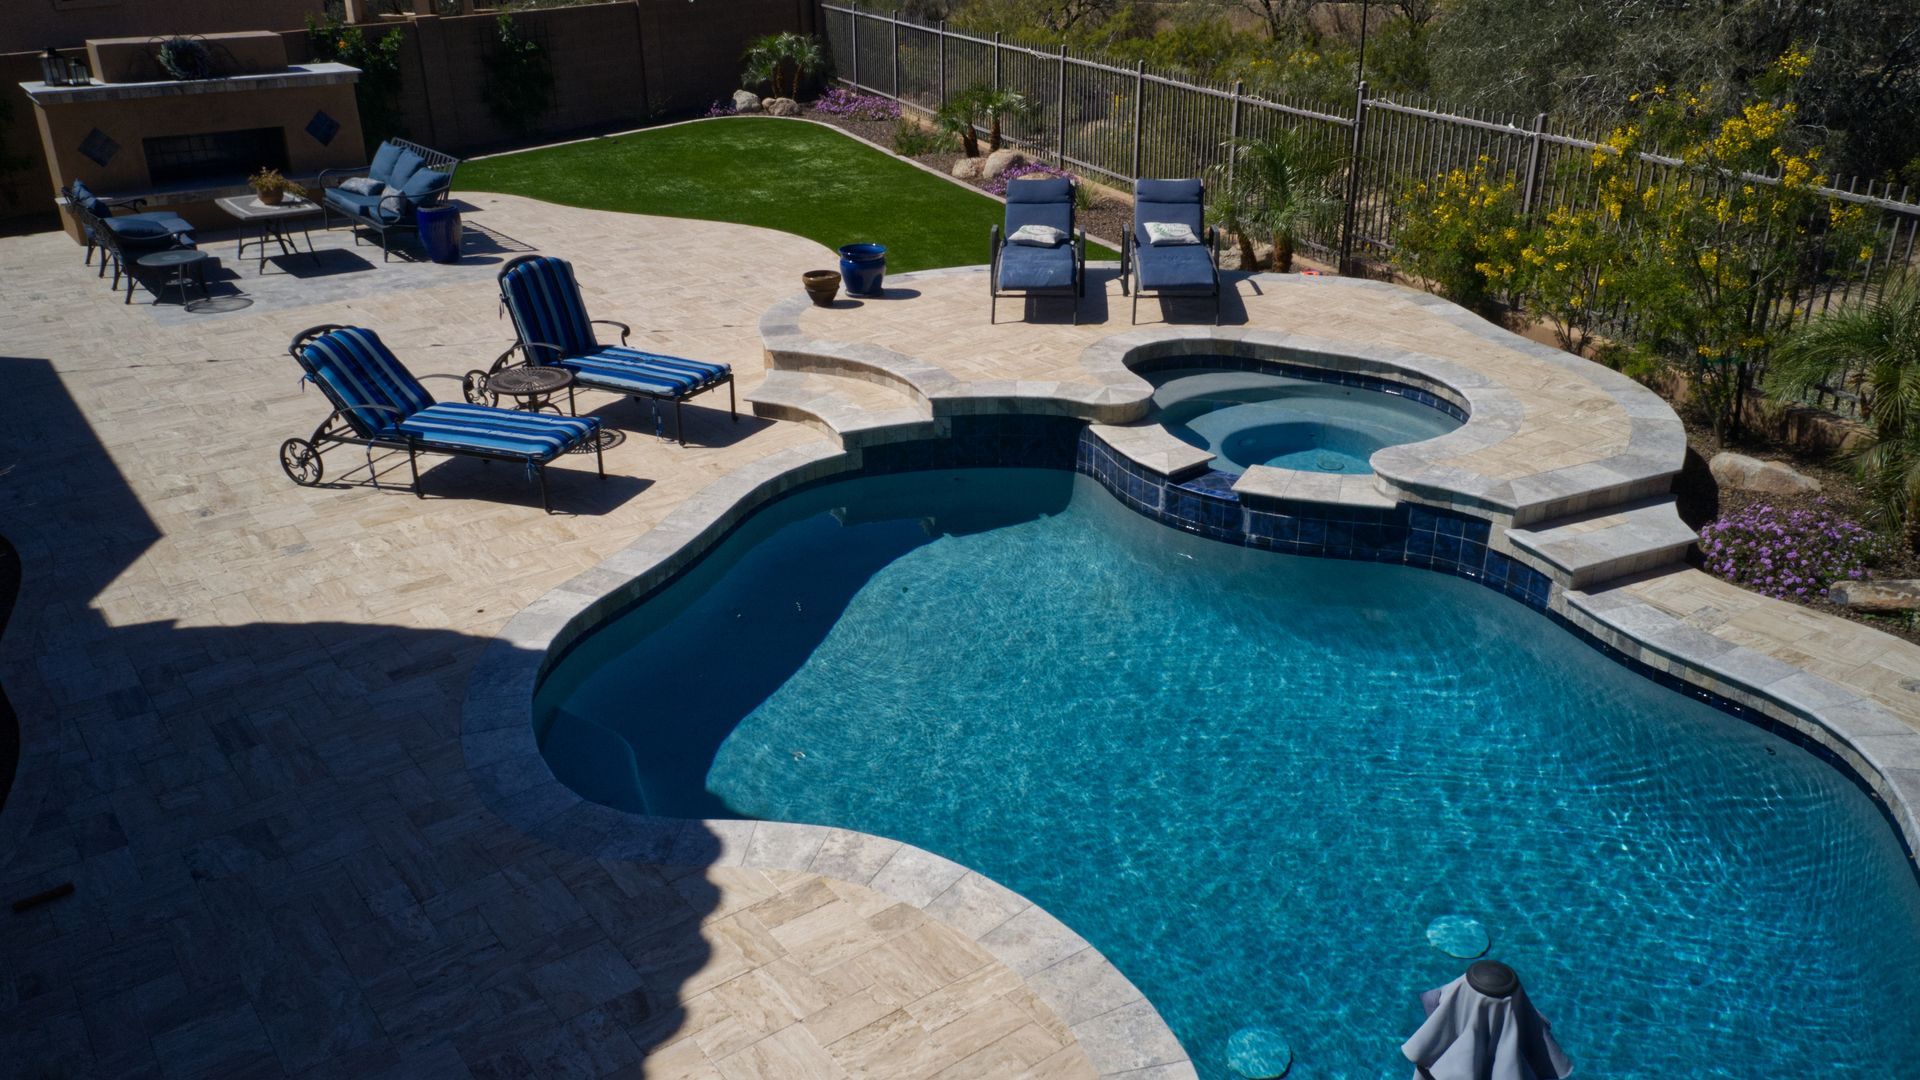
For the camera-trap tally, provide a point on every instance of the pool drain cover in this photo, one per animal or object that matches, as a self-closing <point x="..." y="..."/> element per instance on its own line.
<point x="1459" y="936"/>
<point x="1258" y="1053"/>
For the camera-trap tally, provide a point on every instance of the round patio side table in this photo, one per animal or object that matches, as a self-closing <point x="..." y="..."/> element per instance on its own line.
<point x="184" y="264"/>
<point x="532" y="386"/>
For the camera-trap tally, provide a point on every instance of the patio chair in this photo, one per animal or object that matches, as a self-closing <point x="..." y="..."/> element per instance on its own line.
<point x="114" y="233"/>
<point x="550" y="317"/>
<point x="409" y="176"/>
<point x="1171" y="269"/>
<point x="1023" y="269"/>
<point x="123" y="246"/>
<point x="378" y="404"/>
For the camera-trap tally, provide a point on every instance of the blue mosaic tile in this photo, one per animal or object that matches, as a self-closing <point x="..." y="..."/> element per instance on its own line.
<point x="323" y="128"/>
<point x="98" y="148"/>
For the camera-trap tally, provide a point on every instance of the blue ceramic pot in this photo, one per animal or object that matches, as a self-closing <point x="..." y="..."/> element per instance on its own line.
<point x="863" y="267"/>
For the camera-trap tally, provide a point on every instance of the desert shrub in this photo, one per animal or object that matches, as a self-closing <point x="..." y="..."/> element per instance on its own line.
<point x="1788" y="553"/>
<point x="912" y="140"/>
<point x="1462" y="235"/>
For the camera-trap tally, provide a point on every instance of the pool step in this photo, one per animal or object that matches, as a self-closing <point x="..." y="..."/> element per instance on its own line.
<point x="853" y="411"/>
<point x="1591" y="548"/>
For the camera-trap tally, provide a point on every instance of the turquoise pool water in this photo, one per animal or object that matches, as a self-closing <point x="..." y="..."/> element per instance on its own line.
<point x="1250" y="418"/>
<point x="1253" y="779"/>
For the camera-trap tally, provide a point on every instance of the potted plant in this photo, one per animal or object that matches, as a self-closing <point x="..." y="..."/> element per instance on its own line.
<point x="272" y="187"/>
<point x="821" y="285"/>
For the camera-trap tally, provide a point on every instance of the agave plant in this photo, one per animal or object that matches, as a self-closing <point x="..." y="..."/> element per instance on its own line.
<point x="1280" y="186"/>
<point x="1875" y="350"/>
<point x="782" y="62"/>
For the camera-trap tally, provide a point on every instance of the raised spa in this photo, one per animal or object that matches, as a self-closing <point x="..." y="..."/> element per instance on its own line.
<point x="1289" y="417"/>
<point x="1252" y="780"/>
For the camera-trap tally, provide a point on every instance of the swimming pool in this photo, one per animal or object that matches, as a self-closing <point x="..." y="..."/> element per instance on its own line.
<point x="1253" y="779"/>
<point x="1263" y="417"/>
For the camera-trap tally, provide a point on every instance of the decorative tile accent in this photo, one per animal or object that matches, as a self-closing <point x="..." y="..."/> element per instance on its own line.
<point x="98" y="148"/>
<point x="1302" y="371"/>
<point x="323" y="128"/>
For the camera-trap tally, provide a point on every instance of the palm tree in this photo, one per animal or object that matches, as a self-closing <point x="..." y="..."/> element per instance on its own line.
<point x="1280" y="185"/>
<point x="1875" y="350"/>
<point x="784" y="61"/>
<point x="980" y="103"/>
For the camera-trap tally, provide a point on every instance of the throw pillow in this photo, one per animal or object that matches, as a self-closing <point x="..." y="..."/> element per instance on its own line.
<point x="1036" y="236"/>
<point x="362" y="185"/>
<point x="1161" y="234"/>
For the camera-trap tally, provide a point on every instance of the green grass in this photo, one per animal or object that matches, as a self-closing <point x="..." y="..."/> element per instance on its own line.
<point x="798" y="178"/>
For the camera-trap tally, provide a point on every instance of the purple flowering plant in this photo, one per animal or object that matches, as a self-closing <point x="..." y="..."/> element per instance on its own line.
<point x="841" y="101"/>
<point x="1788" y="553"/>
<point x="719" y="108"/>
<point x="998" y="185"/>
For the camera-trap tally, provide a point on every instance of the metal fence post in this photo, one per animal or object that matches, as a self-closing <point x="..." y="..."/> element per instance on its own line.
<point x="1060" y="116"/>
<point x="896" y="54"/>
<point x="1139" y="101"/>
<point x="996" y="59"/>
<point x="1353" y="180"/>
<point x="1233" y="129"/>
<point x="853" y="32"/>
<point x="1533" y="167"/>
<point x="943" y="63"/>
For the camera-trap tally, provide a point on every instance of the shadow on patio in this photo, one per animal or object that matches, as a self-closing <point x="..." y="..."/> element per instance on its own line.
<point x="281" y="861"/>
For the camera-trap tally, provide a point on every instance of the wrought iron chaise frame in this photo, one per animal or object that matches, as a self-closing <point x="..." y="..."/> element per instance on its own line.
<point x="299" y="457"/>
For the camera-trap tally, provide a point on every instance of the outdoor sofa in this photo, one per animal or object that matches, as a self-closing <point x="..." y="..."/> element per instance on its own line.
<point x="408" y="176"/>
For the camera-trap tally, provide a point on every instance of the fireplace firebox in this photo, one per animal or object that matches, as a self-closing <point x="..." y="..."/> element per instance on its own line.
<point x="215" y="156"/>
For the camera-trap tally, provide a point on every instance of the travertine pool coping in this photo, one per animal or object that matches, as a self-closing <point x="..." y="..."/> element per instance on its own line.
<point x="1119" y="1029"/>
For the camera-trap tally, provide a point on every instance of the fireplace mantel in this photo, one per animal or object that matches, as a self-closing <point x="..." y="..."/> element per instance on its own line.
<point x="296" y="76"/>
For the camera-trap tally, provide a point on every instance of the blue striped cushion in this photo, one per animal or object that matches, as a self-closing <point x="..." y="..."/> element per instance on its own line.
<point x="615" y="367"/>
<point x="534" y="436"/>
<point x="357" y="368"/>
<point x="545" y="303"/>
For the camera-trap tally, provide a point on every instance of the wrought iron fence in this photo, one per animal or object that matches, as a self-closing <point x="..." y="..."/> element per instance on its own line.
<point x="1114" y="122"/>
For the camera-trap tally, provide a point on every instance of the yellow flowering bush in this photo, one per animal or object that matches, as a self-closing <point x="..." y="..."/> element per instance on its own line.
<point x="1571" y="273"/>
<point x="1709" y="255"/>
<point x="1461" y="234"/>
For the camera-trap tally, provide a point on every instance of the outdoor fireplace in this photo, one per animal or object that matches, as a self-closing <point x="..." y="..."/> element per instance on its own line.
<point x="182" y="143"/>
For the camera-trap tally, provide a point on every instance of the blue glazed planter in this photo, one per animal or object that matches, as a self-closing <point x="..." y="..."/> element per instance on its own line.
<point x="863" y="267"/>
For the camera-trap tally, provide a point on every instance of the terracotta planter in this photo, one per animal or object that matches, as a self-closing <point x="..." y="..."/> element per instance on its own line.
<point x="822" y="286"/>
<point x="272" y="196"/>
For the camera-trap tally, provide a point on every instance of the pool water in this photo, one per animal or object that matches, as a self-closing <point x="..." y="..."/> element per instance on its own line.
<point x="1253" y="779"/>
<point x="1247" y="418"/>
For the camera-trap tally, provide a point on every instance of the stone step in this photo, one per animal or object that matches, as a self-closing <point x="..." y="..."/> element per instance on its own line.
<point x="1584" y="550"/>
<point x="852" y="411"/>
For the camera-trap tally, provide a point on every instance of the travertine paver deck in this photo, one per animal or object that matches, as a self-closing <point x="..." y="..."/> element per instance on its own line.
<point x="242" y="702"/>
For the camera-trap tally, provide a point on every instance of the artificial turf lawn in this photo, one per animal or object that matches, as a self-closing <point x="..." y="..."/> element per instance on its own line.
<point x="799" y="178"/>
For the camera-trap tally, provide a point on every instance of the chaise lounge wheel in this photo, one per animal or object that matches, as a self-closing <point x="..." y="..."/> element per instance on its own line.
<point x="301" y="460"/>
<point x="474" y="389"/>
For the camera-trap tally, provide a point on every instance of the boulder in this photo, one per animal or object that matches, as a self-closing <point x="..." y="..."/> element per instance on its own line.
<point x="968" y="168"/>
<point x="1743" y="473"/>
<point x="1889" y="595"/>
<point x="780" y="106"/>
<point x="1000" y="161"/>
<point x="746" y="101"/>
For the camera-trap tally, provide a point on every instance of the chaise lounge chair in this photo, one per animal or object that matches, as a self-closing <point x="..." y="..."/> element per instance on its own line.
<point x="1189" y="269"/>
<point x="550" y="317"/>
<point x="378" y="404"/>
<point x="1024" y="269"/>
